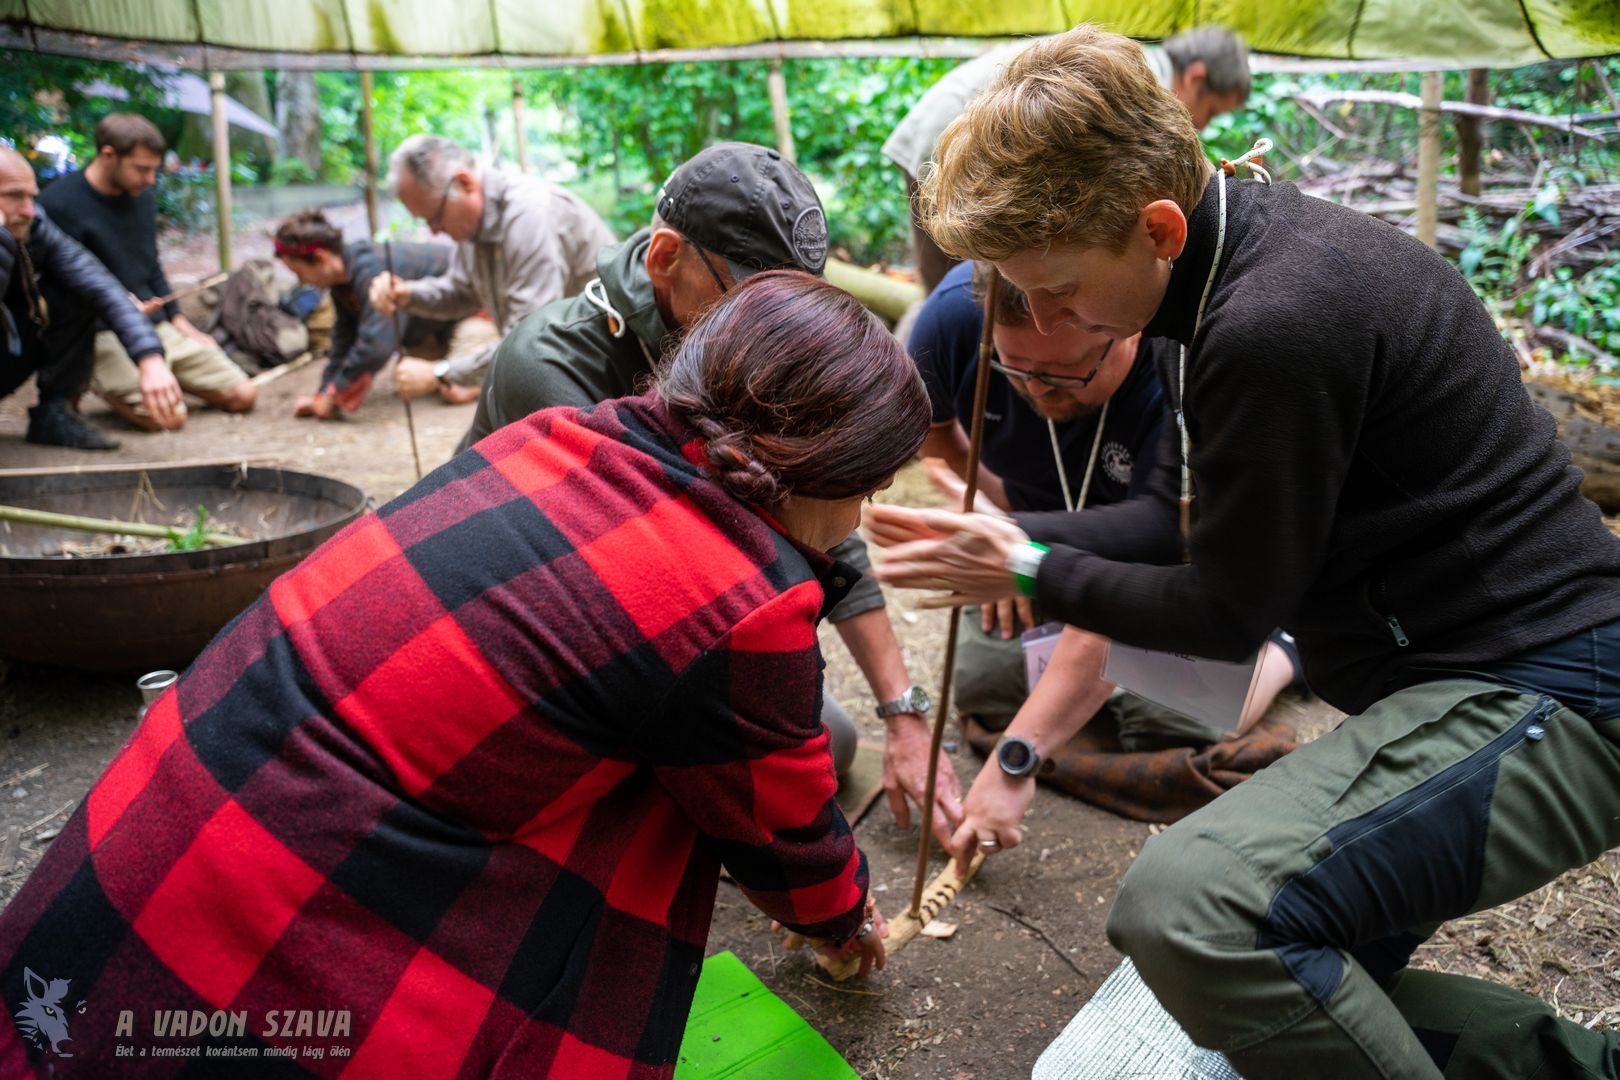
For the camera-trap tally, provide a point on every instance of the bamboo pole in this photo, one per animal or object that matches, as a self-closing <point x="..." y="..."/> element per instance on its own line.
<point x="369" y="133"/>
<point x="193" y="290"/>
<point x="399" y="345"/>
<point x="222" y="167"/>
<point x="1428" y="183"/>
<point x="981" y="393"/>
<point x="522" y="145"/>
<point x="776" y="83"/>
<point x="25" y="515"/>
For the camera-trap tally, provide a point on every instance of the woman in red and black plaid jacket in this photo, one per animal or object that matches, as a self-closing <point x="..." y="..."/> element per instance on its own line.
<point x="461" y="783"/>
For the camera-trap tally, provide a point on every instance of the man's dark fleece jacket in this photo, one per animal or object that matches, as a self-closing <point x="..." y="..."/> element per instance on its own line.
<point x="568" y="354"/>
<point x="1368" y="470"/>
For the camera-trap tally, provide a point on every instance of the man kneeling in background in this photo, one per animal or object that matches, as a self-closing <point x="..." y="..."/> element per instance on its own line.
<point x="363" y="338"/>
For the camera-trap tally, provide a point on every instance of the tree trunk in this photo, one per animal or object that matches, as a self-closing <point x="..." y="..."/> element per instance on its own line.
<point x="1468" y="132"/>
<point x="298" y="116"/>
<point x="251" y="89"/>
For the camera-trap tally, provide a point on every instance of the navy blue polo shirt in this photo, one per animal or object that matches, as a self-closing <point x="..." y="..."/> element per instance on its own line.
<point x="1017" y="446"/>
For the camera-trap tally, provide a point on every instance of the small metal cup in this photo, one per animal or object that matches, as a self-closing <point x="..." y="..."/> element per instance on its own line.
<point x="151" y="685"/>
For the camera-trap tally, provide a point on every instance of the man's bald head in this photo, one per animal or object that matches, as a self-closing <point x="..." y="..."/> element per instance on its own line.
<point x="17" y="191"/>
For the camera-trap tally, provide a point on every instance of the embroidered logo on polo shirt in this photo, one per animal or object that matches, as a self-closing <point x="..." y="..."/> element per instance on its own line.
<point x="1116" y="463"/>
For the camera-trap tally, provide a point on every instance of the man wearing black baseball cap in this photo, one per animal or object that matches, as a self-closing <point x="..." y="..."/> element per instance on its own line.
<point x="733" y="210"/>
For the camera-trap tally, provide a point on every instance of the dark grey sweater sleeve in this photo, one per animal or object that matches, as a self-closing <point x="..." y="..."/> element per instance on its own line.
<point x="865" y="595"/>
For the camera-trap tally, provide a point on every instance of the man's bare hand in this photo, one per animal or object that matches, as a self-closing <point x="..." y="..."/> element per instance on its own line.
<point x="993" y="817"/>
<point x="1007" y="616"/>
<point x="905" y="776"/>
<point x="146" y="307"/>
<point x="388" y="292"/>
<point x="414" y="378"/>
<point x="964" y="554"/>
<point x="160" y="393"/>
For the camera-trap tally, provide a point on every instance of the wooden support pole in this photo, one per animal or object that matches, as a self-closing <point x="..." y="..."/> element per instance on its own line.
<point x="369" y="134"/>
<point x="1428" y="182"/>
<point x="981" y="394"/>
<point x="1468" y="132"/>
<point x="776" y="83"/>
<point x="222" y="167"/>
<point x="522" y="146"/>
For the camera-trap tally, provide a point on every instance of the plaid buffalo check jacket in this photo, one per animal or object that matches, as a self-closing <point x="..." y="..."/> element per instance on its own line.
<point x="466" y="777"/>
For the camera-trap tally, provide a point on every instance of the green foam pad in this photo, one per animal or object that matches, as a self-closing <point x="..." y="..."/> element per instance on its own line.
<point x="738" y="1029"/>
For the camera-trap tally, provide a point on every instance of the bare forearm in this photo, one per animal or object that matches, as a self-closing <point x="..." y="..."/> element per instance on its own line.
<point x="1069" y="693"/>
<point x="870" y="639"/>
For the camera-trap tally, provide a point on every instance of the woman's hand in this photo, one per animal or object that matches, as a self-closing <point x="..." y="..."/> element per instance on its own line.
<point x="965" y="554"/>
<point x="993" y="815"/>
<point x="868" y="945"/>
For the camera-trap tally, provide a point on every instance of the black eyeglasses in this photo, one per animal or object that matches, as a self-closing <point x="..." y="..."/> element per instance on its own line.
<point x="719" y="282"/>
<point x="1078" y="382"/>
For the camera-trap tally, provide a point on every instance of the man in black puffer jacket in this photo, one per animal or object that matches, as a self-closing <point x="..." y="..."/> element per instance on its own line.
<point x="37" y="261"/>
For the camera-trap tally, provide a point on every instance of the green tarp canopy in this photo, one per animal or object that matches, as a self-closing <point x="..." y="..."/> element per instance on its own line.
<point x="403" y="33"/>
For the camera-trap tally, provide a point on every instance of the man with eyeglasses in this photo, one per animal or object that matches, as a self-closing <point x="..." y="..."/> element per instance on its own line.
<point x="1073" y="421"/>
<point x="520" y="244"/>
<point x="732" y="210"/>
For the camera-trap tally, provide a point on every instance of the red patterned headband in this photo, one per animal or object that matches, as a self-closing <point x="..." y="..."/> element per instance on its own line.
<point x="300" y="251"/>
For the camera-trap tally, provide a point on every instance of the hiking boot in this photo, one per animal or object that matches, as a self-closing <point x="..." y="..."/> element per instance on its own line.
<point x="54" y="424"/>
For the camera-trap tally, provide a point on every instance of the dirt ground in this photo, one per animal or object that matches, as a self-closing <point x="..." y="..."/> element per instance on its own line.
<point x="1030" y="948"/>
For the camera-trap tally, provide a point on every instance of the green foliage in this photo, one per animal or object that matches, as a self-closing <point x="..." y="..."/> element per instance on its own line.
<point x="639" y="123"/>
<point x="194" y="538"/>
<point x="185" y="199"/>
<point x="44" y="95"/>
<point x="291" y="170"/>
<point x="1584" y="303"/>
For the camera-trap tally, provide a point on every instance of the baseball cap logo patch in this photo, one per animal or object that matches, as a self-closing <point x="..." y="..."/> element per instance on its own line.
<point x="810" y="238"/>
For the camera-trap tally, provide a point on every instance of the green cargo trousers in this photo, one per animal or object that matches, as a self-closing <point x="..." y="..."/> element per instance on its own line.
<point x="1275" y="924"/>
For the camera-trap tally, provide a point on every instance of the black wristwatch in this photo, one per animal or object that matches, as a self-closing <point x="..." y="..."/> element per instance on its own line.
<point x="913" y="700"/>
<point x="1017" y="756"/>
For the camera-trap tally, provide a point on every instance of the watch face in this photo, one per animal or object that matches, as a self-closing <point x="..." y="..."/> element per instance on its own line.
<point x="1016" y="756"/>
<point x="918" y="699"/>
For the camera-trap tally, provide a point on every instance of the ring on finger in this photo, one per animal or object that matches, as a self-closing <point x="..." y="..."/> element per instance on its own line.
<point x="990" y="843"/>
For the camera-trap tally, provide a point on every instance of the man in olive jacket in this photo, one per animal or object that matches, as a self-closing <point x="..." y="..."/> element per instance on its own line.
<point x="734" y="209"/>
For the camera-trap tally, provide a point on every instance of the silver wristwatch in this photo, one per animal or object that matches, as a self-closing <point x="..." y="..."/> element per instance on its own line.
<point x="441" y="371"/>
<point x="913" y="700"/>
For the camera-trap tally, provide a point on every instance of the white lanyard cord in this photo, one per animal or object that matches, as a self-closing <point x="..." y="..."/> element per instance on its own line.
<point x="1091" y="463"/>
<point x="1260" y="147"/>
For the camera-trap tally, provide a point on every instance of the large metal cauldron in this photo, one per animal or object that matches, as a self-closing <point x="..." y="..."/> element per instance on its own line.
<point x="130" y="613"/>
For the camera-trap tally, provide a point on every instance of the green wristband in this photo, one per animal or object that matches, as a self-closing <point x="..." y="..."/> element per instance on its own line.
<point x="1024" y="563"/>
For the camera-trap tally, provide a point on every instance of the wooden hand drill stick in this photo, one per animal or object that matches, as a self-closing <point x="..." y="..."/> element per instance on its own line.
<point x="399" y="346"/>
<point x="981" y="392"/>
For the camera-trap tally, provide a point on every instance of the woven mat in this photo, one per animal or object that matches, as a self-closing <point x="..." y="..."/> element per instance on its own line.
<point x="1124" y="1031"/>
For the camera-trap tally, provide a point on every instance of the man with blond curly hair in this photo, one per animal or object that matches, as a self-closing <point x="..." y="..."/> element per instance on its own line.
<point x="1356" y="460"/>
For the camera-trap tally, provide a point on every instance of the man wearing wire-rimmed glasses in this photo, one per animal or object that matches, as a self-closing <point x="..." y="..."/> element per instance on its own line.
<point x="1074" y="419"/>
<point x="520" y="244"/>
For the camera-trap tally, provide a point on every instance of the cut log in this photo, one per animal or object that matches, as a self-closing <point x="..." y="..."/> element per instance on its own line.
<point x="1594" y="445"/>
